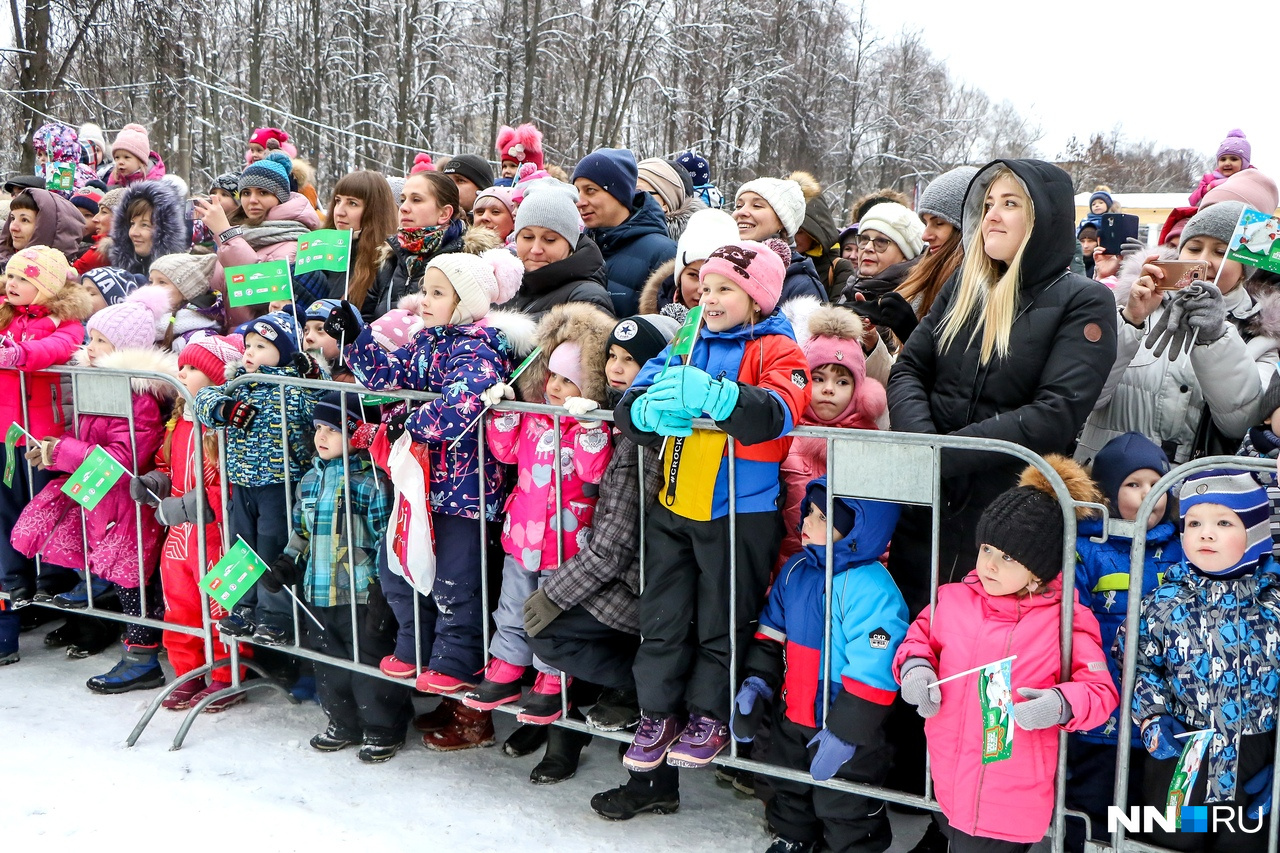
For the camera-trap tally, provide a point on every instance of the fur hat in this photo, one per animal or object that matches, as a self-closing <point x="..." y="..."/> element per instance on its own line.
<point x="1120" y="457"/>
<point x="1241" y="493"/>
<point x="480" y="281"/>
<point x="473" y="167"/>
<point x="1236" y="144"/>
<point x="833" y="335"/>
<point x="212" y="355"/>
<point x="189" y="273"/>
<point x="521" y="144"/>
<point x="131" y="324"/>
<point x="133" y="139"/>
<point x="897" y="223"/>
<point x="1026" y="521"/>
<point x="944" y="197"/>
<point x="706" y="231"/>
<point x="114" y="284"/>
<point x="1250" y="186"/>
<point x="271" y="173"/>
<point x="279" y="331"/>
<point x="550" y="204"/>
<point x="614" y="170"/>
<point x="757" y="268"/>
<point x="643" y="336"/>
<point x="662" y="176"/>
<point x="785" y="196"/>
<point x="47" y="269"/>
<point x="588" y="327"/>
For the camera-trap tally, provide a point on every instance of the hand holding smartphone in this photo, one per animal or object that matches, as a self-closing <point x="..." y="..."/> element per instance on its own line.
<point x="1179" y="274"/>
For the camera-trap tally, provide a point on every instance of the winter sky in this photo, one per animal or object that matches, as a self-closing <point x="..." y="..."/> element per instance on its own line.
<point x="1174" y="73"/>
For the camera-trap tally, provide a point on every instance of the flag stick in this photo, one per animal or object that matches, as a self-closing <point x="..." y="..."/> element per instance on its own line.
<point x="305" y="610"/>
<point x="971" y="670"/>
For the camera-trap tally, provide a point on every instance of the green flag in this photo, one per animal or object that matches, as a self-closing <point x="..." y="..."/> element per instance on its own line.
<point x="89" y="483"/>
<point x="233" y="575"/>
<point x="323" y="250"/>
<point x="253" y="284"/>
<point x="11" y="452"/>
<point x="682" y="343"/>
<point x="1256" y="240"/>
<point x="60" y="177"/>
<point x="1186" y="770"/>
<point x="995" y="694"/>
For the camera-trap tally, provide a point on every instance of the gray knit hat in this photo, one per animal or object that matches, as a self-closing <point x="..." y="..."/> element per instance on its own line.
<point x="1217" y="221"/>
<point x="944" y="197"/>
<point x="550" y="204"/>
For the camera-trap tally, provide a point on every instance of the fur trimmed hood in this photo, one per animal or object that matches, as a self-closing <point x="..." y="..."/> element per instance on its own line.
<point x="1265" y="323"/>
<point x="170" y="233"/>
<point x="520" y="329"/>
<point x="652" y="299"/>
<point x="585" y="325"/>
<point x="150" y="360"/>
<point x="59" y="224"/>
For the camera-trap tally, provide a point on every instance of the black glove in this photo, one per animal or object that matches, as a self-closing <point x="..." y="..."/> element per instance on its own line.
<point x="889" y="310"/>
<point x="285" y="571"/>
<point x="395" y="426"/>
<point x="343" y="323"/>
<point x="306" y="365"/>
<point x="235" y="413"/>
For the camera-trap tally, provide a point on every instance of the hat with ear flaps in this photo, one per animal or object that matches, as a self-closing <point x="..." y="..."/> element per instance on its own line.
<point x="578" y="323"/>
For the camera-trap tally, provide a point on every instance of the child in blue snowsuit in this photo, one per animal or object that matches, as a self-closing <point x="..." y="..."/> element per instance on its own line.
<point x="869" y="620"/>
<point x="1125" y="470"/>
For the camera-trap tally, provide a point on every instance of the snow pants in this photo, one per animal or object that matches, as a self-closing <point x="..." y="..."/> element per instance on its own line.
<point x="584" y="647"/>
<point x="260" y="516"/>
<point x="359" y="704"/>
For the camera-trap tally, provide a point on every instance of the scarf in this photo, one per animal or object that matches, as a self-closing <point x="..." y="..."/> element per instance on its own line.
<point x="273" y="231"/>
<point x="420" y="245"/>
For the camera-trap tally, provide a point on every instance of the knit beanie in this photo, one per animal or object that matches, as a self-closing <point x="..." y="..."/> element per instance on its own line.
<point x="614" y="170"/>
<point x="111" y="201"/>
<point x="755" y="267"/>
<point x="697" y="167"/>
<point x="897" y="223"/>
<point x="784" y="196"/>
<point x="1026" y="521"/>
<point x="133" y="139"/>
<point x="1250" y="186"/>
<point x="500" y="194"/>
<point x="706" y="231"/>
<point x="473" y="167"/>
<point x="278" y="329"/>
<point x="553" y="205"/>
<point x="1236" y="144"/>
<point x="522" y="144"/>
<point x="1217" y="221"/>
<point x="91" y="134"/>
<point x="1239" y="492"/>
<point x="1100" y="194"/>
<point x="328" y="411"/>
<point x="228" y="182"/>
<point x="131" y="324"/>
<point x="944" y="197"/>
<point x="527" y="176"/>
<point x="842" y="515"/>
<point x="114" y="284"/>
<point x="211" y="355"/>
<point x="44" y="267"/>
<point x="271" y="173"/>
<point x="322" y="308"/>
<point x="1120" y="457"/>
<point x="263" y="135"/>
<point x="395" y="328"/>
<point x="189" y="273"/>
<point x="662" y="176"/>
<point x="479" y="280"/>
<point x="1175" y="223"/>
<point x="87" y="202"/>
<point x="566" y="360"/>
<point x="643" y="336"/>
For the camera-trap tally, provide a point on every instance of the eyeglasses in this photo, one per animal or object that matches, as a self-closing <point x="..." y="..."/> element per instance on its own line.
<point x="879" y="243"/>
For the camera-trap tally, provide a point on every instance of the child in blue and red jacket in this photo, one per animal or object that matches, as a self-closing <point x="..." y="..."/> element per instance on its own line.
<point x="747" y="374"/>
<point x="868" y="622"/>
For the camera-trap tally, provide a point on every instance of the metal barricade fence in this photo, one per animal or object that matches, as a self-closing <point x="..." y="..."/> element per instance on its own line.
<point x="901" y="468"/>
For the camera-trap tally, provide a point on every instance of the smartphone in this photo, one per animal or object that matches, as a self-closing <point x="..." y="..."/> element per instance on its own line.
<point x="1115" y="229"/>
<point x="1178" y="274"/>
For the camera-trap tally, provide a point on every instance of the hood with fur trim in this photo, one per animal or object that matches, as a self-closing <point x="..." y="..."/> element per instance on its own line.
<point x="149" y="360"/>
<point x="170" y="233"/>
<point x="678" y="219"/>
<point x="585" y="325"/>
<point x="656" y="294"/>
<point x="520" y="329"/>
<point x="1265" y="323"/>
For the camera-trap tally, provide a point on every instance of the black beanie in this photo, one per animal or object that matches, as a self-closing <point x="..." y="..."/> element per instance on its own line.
<point x="1026" y="524"/>
<point x="473" y="167"/>
<point x="643" y="335"/>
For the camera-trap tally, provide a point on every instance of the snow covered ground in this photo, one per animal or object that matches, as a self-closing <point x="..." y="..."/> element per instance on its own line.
<point x="69" y="782"/>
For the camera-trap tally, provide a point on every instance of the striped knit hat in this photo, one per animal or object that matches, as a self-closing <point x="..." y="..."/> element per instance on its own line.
<point x="1239" y="492"/>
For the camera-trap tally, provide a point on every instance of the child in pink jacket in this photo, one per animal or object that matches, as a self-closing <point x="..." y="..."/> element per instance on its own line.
<point x="570" y="374"/>
<point x="1011" y="604"/>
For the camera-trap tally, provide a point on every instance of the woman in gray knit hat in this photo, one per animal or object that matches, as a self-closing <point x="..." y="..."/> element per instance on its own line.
<point x="1190" y="370"/>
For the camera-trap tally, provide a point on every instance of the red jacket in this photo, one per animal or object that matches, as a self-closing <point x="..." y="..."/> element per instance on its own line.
<point x="1011" y="799"/>
<point x="176" y="457"/>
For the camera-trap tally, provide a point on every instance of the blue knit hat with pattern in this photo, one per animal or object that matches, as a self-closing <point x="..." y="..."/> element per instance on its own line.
<point x="697" y="167"/>
<point x="278" y="328"/>
<point x="114" y="284"/>
<point x="1241" y="493"/>
<point x="271" y="173"/>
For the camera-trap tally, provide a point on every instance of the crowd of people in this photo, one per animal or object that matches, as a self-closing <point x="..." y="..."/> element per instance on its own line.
<point x="637" y="286"/>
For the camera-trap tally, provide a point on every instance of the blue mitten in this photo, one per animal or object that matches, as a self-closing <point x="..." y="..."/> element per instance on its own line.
<point x="676" y="424"/>
<point x="748" y="709"/>
<point x="1159" y="736"/>
<point x="644" y="416"/>
<point x="1259" y="789"/>
<point x="831" y="755"/>
<point x="693" y="391"/>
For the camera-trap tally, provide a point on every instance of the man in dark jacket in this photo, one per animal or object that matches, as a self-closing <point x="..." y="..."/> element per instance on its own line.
<point x="628" y="226"/>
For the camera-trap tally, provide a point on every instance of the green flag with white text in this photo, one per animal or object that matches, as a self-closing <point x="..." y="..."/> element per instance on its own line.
<point x="233" y="575"/>
<point x="323" y="250"/>
<point x="253" y="284"/>
<point x="89" y="483"/>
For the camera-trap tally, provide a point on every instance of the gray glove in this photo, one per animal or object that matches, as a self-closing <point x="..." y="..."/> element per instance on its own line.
<point x="539" y="612"/>
<point x="916" y="678"/>
<point x="1043" y="709"/>
<point x="1204" y="313"/>
<point x="1169" y="331"/>
<point x="174" y="511"/>
<point x="1132" y="245"/>
<point x="156" y="481"/>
